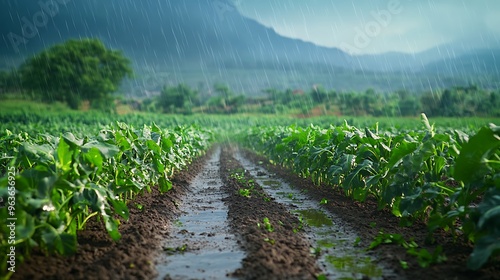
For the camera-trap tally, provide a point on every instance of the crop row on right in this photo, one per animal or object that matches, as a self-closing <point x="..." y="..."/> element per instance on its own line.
<point x="450" y="180"/>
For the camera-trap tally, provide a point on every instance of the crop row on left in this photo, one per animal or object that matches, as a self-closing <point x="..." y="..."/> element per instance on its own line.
<point x="57" y="183"/>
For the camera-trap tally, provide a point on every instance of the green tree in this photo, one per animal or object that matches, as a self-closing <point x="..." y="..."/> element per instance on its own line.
<point x="408" y="104"/>
<point x="226" y="101"/>
<point x="74" y="71"/>
<point x="9" y="81"/>
<point x="431" y="104"/>
<point x="319" y="94"/>
<point x="177" y="99"/>
<point x="223" y="90"/>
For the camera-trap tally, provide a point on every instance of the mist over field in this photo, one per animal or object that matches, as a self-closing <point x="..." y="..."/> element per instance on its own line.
<point x="255" y="45"/>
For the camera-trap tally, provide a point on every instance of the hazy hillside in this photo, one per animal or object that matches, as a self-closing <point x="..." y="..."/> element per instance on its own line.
<point x="205" y="41"/>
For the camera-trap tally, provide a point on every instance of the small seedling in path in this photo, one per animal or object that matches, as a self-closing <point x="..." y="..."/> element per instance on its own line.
<point x="424" y="257"/>
<point x="267" y="225"/>
<point x="301" y="224"/>
<point x="244" y="192"/>
<point x="315" y="251"/>
<point x="404" y="264"/>
<point x="270" y="241"/>
<point x="180" y="249"/>
<point x="357" y="241"/>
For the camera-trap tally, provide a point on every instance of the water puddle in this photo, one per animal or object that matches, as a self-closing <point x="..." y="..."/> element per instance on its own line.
<point x="333" y="241"/>
<point x="201" y="245"/>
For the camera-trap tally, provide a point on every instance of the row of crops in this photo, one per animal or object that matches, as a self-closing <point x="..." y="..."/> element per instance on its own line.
<point x="58" y="171"/>
<point x="449" y="179"/>
<point x="52" y="184"/>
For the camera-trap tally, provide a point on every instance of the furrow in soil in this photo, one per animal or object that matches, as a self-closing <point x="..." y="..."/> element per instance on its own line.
<point x="269" y="232"/>
<point x="200" y="245"/>
<point x="334" y="242"/>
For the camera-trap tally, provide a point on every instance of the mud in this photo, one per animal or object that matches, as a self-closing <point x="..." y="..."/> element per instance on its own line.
<point x="277" y="250"/>
<point x="368" y="221"/>
<point x="201" y="245"/>
<point x="133" y="256"/>
<point x="273" y="239"/>
<point x="335" y="242"/>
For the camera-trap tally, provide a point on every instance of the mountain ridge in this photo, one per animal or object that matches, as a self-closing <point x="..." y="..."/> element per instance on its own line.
<point x="208" y="36"/>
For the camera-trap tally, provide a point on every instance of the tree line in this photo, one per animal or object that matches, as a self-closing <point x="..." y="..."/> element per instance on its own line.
<point x="85" y="70"/>
<point x="454" y="102"/>
<point x="72" y="72"/>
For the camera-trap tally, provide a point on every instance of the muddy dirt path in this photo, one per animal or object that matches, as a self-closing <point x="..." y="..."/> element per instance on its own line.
<point x="335" y="242"/>
<point x="201" y="246"/>
<point x="232" y="214"/>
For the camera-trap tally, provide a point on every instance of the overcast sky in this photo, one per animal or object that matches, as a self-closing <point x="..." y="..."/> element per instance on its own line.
<point x="377" y="26"/>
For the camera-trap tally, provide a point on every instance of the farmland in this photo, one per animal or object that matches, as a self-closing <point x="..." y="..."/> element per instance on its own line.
<point x="421" y="194"/>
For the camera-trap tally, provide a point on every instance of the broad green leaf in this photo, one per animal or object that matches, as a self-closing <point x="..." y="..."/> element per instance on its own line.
<point x="25" y="226"/>
<point x="72" y="140"/>
<point x="483" y="249"/>
<point x="164" y="185"/>
<point x="122" y="141"/>
<point x="470" y="162"/>
<point x="153" y="146"/>
<point x="94" y="157"/>
<point x="58" y="242"/>
<point x="120" y="208"/>
<point x="404" y="148"/>
<point x="67" y="245"/>
<point x="107" y="150"/>
<point x="64" y="156"/>
<point x="112" y="227"/>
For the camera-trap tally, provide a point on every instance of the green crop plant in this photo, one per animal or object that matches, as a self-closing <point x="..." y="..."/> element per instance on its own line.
<point x="61" y="182"/>
<point x="244" y="192"/>
<point x="448" y="178"/>
<point x="266" y="223"/>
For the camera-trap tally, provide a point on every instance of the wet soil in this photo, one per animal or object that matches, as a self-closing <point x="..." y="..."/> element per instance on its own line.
<point x="201" y="246"/>
<point x="133" y="256"/>
<point x="335" y="242"/>
<point x="368" y="221"/>
<point x="276" y="249"/>
<point x="271" y="236"/>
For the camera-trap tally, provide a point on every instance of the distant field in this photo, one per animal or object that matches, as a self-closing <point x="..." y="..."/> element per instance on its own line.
<point x="114" y="158"/>
<point x="19" y="115"/>
<point x="251" y="82"/>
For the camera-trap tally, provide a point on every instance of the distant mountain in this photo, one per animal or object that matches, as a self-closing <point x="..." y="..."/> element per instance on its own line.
<point x="205" y="41"/>
<point x="165" y="32"/>
<point x="472" y="63"/>
<point x="447" y="59"/>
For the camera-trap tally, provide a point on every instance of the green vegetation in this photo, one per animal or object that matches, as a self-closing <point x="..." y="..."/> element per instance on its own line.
<point x="74" y="71"/>
<point x="247" y="185"/>
<point x="69" y="167"/>
<point x="85" y="71"/>
<point x="449" y="179"/>
<point x="455" y="102"/>
<point x="267" y="224"/>
<point x="61" y="182"/>
<point x="424" y="257"/>
<point x="177" y="99"/>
